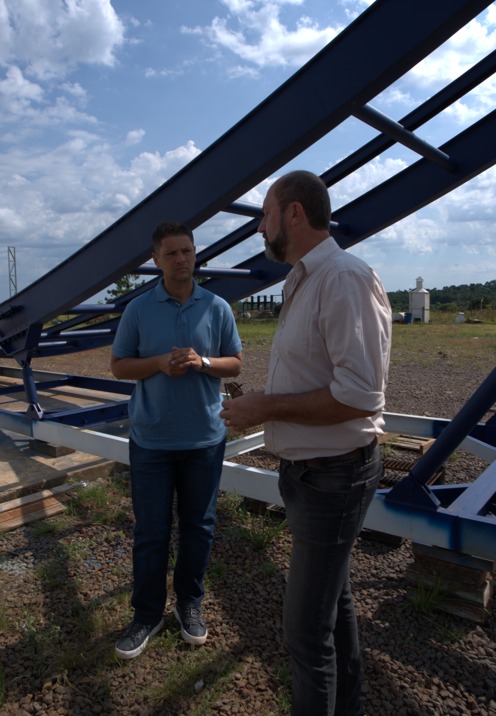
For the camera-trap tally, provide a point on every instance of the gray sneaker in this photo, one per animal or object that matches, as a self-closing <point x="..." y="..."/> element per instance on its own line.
<point x="135" y="638"/>
<point x="193" y="629"/>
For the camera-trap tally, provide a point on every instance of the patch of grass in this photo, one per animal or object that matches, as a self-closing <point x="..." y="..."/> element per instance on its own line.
<point x="101" y="502"/>
<point x="76" y="550"/>
<point x="284" y="691"/>
<point x="449" y="632"/>
<point x="2" y="685"/>
<point x="261" y="530"/>
<point x="268" y="569"/>
<point x="196" y="682"/>
<point x="231" y="504"/>
<point x="90" y="498"/>
<point x="425" y="599"/>
<point x="52" y="573"/>
<point x="55" y="525"/>
<point x="469" y="344"/>
<point x="216" y="572"/>
<point x="455" y="456"/>
<point x="258" y="333"/>
<point x="5" y="621"/>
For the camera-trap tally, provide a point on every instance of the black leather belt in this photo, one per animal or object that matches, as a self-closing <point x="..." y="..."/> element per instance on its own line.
<point x="323" y="463"/>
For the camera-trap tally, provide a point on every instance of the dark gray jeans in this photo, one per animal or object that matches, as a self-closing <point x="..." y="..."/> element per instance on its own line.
<point x="325" y="511"/>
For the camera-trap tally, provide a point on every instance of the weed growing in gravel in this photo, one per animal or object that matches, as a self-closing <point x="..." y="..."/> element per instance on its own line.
<point x="261" y="530"/>
<point x="216" y="572"/>
<point x="454" y="457"/>
<point x="202" y="675"/>
<point x="101" y="502"/>
<point x="268" y="569"/>
<point x="4" y="619"/>
<point x="76" y="551"/>
<point x="449" y="632"/>
<point x="426" y="599"/>
<point x="2" y="685"/>
<point x="52" y="573"/>
<point x="231" y="504"/>
<point x="46" y="527"/>
<point x="284" y="693"/>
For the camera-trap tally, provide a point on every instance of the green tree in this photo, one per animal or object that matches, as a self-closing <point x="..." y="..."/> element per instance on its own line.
<point x="122" y="286"/>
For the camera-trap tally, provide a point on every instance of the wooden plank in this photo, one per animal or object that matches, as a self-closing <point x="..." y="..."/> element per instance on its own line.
<point x="19" y="516"/>
<point x="35" y="496"/>
<point x="37" y="506"/>
<point x="452" y="557"/>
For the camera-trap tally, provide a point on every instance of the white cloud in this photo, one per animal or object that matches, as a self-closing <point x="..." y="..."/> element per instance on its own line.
<point x="364" y="179"/>
<point x="135" y="136"/>
<point x="459" y="53"/>
<point x="456" y="56"/>
<point x="255" y="33"/>
<point x="17" y="93"/>
<point x="235" y="71"/>
<point x="50" y="38"/>
<point x="75" y="90"/>
<point x="73" y="192"/>
<point x="475" y="201"/>
<point x="154" y="168"/>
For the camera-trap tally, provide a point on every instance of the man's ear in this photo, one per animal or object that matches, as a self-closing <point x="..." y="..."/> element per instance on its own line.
<point x="296" y="213"/>
<point x="155" y="260"/>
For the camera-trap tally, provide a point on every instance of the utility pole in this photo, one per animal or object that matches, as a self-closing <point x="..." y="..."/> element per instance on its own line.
<point x="12" y="271"/>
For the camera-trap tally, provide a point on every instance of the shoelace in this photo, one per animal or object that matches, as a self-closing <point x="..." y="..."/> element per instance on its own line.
<point x="193" y="616"/>
<point x="133" y="630"/>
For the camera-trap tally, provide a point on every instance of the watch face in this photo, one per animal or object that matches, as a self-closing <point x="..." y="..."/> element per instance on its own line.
<point x="205" y="362"/>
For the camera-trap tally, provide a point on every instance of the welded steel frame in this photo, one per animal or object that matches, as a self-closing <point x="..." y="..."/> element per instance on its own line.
<point x="377" y="49"/>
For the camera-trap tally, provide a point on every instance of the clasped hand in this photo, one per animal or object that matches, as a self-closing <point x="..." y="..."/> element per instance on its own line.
<point x="179" y="360"/>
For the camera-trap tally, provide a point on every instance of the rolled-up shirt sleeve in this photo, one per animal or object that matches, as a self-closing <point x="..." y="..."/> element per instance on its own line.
<point x="356" y="326"/>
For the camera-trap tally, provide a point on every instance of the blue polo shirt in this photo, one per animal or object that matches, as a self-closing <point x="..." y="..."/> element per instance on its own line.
<point x="181" y="412"/>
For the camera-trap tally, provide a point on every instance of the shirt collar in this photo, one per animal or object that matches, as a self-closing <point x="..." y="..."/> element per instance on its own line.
<point x="309" y="263"/>
<point x="162" y="295"/>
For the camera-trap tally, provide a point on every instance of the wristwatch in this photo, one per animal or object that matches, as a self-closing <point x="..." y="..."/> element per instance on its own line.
<point x="206" y="363"/>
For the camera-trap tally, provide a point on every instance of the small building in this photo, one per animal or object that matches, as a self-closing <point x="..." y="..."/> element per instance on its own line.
<point x="419" y="302"/>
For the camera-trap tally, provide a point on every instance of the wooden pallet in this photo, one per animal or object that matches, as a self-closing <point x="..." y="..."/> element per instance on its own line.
<point x="22" y="510"/>
<point x="407" y="442"/>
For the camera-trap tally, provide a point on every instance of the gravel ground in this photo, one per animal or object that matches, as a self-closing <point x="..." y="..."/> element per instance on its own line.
<point x="65" y="597"/>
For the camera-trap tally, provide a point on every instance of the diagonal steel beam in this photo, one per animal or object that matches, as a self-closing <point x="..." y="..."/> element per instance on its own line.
<point x="408" y="191"/>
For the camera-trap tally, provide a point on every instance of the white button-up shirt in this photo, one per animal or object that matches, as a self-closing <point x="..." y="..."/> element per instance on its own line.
<point x="334" y="330"/>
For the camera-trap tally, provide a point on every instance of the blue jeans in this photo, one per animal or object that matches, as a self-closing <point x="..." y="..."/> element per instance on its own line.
<point x="155" y="474"/>
<point x="325" y="511"/>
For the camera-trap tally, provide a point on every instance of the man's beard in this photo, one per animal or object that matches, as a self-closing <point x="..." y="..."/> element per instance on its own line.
<point x="276" y="249"/>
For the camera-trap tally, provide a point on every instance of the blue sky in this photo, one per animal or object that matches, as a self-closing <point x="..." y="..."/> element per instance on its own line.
<point x="101" y="101"/>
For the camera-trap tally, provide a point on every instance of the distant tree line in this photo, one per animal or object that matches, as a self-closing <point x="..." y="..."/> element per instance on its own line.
<point x="468" y="297"/>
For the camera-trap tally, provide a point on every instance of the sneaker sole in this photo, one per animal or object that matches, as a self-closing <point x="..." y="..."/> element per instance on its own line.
<point x="136" y="652"/>
<point x="194" y="640"/>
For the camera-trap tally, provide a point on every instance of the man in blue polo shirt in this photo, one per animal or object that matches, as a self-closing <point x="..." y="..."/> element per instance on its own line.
<point x="177" y="341"/>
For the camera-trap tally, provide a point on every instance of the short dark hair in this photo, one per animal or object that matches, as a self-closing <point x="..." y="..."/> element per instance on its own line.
<point x="310" y="191"/>
<point x="170" y="228"/>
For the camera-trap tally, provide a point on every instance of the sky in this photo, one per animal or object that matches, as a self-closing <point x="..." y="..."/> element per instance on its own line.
<point x="102" y="101"/>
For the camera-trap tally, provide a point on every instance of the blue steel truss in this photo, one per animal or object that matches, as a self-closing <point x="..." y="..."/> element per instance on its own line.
<point x="377" y="49"/>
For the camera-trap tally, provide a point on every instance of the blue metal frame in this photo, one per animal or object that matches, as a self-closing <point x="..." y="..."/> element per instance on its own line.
<point x="391" y="37"/>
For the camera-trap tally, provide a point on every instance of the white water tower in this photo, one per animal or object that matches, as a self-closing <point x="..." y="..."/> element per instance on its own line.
<point x="419" y="302"/>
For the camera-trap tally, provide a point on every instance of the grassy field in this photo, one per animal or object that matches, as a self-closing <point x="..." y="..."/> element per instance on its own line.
<point x="470" y="343"/>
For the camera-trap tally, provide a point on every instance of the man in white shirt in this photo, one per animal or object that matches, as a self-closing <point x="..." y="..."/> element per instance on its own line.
<point x="322" y="410"/>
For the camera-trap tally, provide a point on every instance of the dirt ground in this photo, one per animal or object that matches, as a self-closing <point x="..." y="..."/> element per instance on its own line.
<point x="65" y="597"/>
